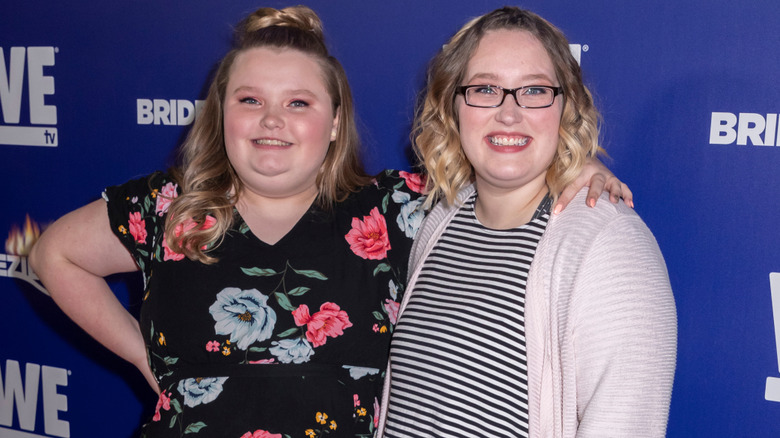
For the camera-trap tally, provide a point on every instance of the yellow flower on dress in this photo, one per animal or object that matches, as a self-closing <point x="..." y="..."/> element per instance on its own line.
<point x="310" y="433"/>
<point x="321" y="417"/>
<point x="332" y="425"/>
<point x="226" y="350"/>
<point x="161" y="341"/>
<point x="383" y="329"/>
<point x="361" y="412"/>
<point x="122" y="229"/>
<point x="154" y="193"/>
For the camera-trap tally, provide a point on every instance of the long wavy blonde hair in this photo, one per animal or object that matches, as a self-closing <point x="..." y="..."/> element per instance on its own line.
<point x="435" y="134"/>
<point x="209" y="184"/>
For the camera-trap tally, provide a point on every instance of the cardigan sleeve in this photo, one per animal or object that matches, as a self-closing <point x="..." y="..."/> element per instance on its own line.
<point x="624" y="334"/>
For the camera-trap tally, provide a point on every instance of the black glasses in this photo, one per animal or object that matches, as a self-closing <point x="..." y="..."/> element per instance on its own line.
<point x="492" y="96"/>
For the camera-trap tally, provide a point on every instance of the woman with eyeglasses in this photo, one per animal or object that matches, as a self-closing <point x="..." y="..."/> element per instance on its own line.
<point x="519" y="323"/>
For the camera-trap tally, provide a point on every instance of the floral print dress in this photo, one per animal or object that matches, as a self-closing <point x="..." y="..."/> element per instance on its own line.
<point x="283" y="340"/>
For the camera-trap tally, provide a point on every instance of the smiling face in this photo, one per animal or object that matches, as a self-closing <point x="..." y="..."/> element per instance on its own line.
<point x="510" y="147"/>
<point x="279" y="121"/>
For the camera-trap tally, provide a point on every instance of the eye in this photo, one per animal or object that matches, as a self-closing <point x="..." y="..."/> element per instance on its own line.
<point x="250" y="100"/>
<point x="484" y="89"/>
<point x="536" y="91"/>
<point x="298" y="103"/>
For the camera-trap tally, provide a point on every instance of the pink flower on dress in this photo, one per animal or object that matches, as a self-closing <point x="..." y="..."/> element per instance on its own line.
<point x="163" y="402"/>
<point x="376" y="412"/>
<point x="368" y="238"/>
<point x="261" y="361"/>
<point x="356" y="399"/>
<point x="329" y="321"/>
<point x="414" y="181"/>
<point x="137" y="227"/>
<point x="392" y="310"/>
<point x="164" y="198"/>
<point x="212" y="346"/>
<point x="261" y="434"/>
<point x="169" y="254"/>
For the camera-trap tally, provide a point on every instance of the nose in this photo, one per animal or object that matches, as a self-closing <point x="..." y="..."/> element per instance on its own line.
<point x="509" y="112"/>
<point x="271" y="119"/>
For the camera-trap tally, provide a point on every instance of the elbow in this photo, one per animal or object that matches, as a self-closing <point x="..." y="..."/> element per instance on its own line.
<point x="34" y="257"/>
<point x="38" y="254"/>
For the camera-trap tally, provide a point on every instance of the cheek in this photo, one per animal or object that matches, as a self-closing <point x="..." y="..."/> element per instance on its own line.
<point x="470" y="123"/>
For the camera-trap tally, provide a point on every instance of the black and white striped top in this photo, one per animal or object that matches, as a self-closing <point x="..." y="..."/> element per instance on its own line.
<point x="458" y="354"/>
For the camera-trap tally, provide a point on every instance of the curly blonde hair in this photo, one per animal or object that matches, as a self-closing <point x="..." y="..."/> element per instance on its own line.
<point x="209" y="183"/>
<point x="435" y="134"/>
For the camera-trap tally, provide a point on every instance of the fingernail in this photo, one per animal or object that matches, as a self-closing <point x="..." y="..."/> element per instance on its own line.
<point x="591" y="202"/>
<point x="557" y="209"/>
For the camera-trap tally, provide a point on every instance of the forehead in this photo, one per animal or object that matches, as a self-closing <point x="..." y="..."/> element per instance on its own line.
<point x="277" y="68"/>
<point x="510" y="55"/>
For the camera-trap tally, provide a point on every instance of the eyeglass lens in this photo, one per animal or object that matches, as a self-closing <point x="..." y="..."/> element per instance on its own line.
<point x="489" y="96"/>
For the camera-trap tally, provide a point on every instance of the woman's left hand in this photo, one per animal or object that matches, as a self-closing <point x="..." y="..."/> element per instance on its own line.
<point x="598" y="178"/>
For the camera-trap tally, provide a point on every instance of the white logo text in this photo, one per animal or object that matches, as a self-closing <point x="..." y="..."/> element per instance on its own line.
<point x="39" y="85"/>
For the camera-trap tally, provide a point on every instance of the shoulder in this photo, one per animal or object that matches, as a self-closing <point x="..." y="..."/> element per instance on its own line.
<point x="612" y="230"/>
<point x="435" y="222"/>
<point x="389" y="190"/>
<point x="578" y="218"/>
<point x="149" y="185"/>
<point x="391" y="179"/>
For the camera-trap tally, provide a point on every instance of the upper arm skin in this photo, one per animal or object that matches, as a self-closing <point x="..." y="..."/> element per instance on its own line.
<point x="83" y="238"/>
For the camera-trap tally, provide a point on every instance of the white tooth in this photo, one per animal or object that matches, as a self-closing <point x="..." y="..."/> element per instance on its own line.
<point x="271" y="142"/>
<point x="503" y="141"/>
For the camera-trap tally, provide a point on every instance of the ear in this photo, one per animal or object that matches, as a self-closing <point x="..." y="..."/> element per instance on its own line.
<point x="335" y="130"/>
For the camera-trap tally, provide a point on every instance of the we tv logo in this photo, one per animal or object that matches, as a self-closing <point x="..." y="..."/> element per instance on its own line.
<point x="19" y="394"/>
<point x="23" y="69"/>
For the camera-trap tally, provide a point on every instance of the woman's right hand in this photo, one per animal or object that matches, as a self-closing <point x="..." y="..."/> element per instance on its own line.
<point x="71" y="258"/>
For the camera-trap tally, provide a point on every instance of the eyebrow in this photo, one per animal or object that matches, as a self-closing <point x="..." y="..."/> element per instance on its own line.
<point x="493" y="77"/>
<point x="251" y="89"/>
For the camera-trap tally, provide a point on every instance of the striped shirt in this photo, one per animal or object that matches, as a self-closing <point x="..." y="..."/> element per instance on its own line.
<point x="458" y="354"/>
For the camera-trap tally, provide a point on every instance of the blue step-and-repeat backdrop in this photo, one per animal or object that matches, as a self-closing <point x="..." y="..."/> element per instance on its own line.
<point x="95" y="93"/>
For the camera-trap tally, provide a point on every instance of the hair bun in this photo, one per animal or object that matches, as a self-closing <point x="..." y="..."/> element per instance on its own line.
<point x="300" y="17"/>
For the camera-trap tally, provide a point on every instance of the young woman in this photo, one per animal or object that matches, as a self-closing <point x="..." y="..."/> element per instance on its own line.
<point x="516" y="322"/>
<point x="272" y="264"/>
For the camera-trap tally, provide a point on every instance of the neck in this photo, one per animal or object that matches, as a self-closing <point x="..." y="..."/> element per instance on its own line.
<point x="503" y="209"/>
<point x="271" y="218"/>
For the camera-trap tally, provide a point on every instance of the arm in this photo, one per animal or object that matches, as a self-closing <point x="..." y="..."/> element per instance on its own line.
<point x="71" y="258"/>
<point x="598" y="178"/>
<point x="624" y="335"/>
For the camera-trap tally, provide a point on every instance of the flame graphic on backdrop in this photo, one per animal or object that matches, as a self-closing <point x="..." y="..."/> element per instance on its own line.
<point x="20" y="242"/>
<point x="14" y="264"/>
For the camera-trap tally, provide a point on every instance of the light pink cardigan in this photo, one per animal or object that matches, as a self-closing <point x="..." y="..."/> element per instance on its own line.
<point x="601" y="325"/>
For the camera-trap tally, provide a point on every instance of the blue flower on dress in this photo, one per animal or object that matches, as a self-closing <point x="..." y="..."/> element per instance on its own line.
<point x="244" y="315"/>
<point x="357" y="372"/>
<point x="411" y="216"/>
<point x="292" y="350"/>
<point x="201" y="390"/>
<point x="393" y="290"/>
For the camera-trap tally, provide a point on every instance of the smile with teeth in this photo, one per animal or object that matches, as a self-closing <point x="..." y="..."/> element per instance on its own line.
<point x="508" y="141"/>
<point x="271" y="142"/>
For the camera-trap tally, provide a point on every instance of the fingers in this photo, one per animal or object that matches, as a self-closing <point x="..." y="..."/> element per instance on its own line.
<point x="566" y="196"/>
<point x="597" y="186"/>
<point x="618" y="190"/>
<point x="628" y="196"/>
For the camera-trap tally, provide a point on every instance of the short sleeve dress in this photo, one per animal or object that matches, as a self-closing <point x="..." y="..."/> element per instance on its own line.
<point x="283" y="340"/>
